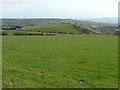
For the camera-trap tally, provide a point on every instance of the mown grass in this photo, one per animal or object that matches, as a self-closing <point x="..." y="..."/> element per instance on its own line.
<point x="67" y="28"/>
<point x="67" y="61"/>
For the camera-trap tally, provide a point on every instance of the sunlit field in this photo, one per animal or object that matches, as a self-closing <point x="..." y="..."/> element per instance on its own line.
<point x="63" y="61"/>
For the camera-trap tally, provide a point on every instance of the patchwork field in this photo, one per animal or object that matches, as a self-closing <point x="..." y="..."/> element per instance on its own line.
<point x="65" y="28"/>
<point x="63" y="61"/>
<point x="54" y="28"/>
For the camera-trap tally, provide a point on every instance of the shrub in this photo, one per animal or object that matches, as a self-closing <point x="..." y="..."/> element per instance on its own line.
<point x="3" y="33"/>
<point x="71" y="33"/>
<point x="31" y="34"/>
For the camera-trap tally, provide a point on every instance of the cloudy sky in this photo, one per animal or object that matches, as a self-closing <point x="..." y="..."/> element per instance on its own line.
<point x="77" y="9"/>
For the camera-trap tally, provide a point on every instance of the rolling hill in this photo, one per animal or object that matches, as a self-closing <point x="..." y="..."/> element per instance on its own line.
<point x="62" y="28"/>
<point x="105" y="20"/>
<point x="105" y="28"/>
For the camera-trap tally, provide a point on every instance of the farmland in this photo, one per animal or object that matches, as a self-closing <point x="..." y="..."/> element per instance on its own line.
<point x="54" y="28"/>
<point x="65" y="28"/>
<point x="61" y="61"/>
<point x="105" y="28"/>
<point x="58" y="54"/>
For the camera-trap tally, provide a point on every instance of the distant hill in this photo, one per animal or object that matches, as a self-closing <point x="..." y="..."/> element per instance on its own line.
<point x="105" y="20"/>
<point x="105" y="28"/>
<point x="49" y="21"/>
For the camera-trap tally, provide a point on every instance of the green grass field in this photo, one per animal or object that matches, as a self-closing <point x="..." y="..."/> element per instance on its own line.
<point x="66" y="61"/>
<point x="54" y="28"/>
<point x="67" y="28"/>
<point x="12" y="32"/>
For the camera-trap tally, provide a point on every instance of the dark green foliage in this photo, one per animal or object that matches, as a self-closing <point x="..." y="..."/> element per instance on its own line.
<point x="3" y="33"/>
<point x="31" y="34"/>
<point x="28" y="34"/>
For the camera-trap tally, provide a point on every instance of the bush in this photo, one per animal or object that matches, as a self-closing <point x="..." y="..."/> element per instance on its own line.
<point x="71" y="33"/>
<point x="3" y="34"/>
<point x="32" y="34"/>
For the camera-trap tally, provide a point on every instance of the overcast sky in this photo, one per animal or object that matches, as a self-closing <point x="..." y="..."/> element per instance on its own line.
<point x="77" y="9"/>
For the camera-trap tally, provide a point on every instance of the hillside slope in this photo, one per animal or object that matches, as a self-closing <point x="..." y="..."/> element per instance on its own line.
<point x="61" y="28"/>
<point x="66" y="28"/>
<point x="105" y="28"/>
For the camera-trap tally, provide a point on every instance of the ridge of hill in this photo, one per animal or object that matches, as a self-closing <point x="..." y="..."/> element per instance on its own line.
<point x="105" y="28"/>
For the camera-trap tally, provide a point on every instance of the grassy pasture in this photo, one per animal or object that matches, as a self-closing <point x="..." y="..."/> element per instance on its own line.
<point x="12" y="32"/>
<point x="53" y="28"/>
<point x="67" y="61"/>
<point x="67" y="28"/>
